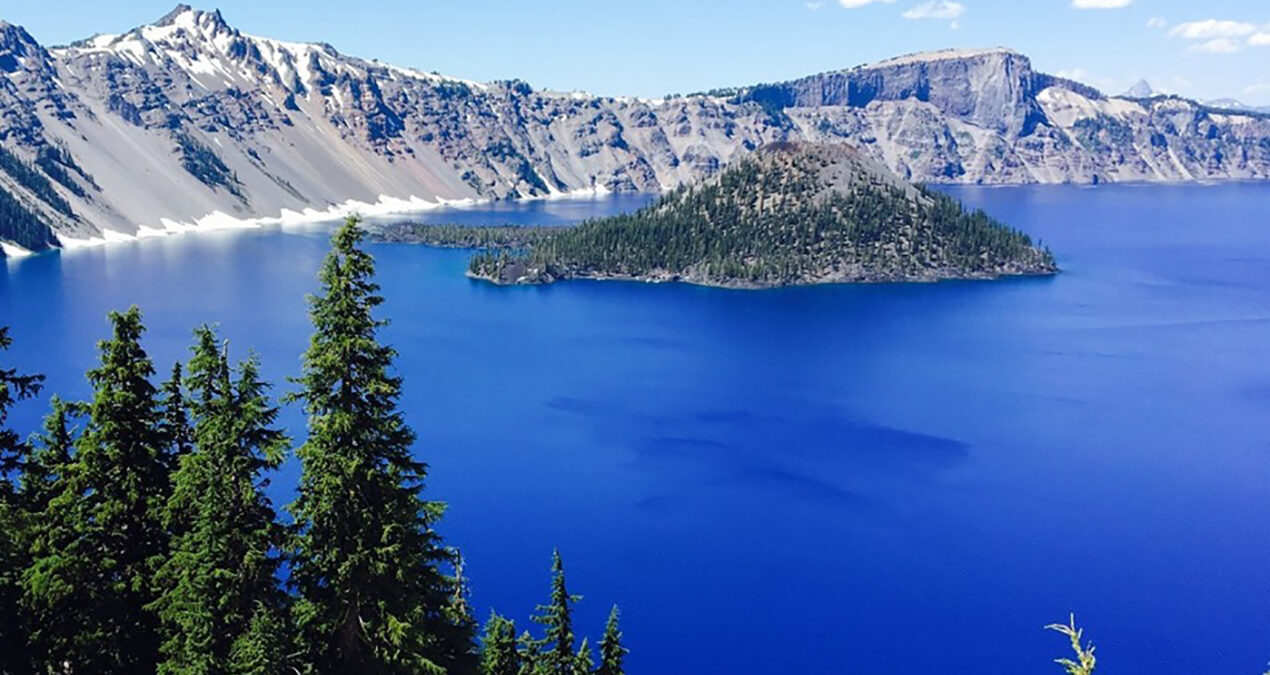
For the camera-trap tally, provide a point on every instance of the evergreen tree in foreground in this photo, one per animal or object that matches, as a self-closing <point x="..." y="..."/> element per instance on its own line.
<point x="219" y="585"/>
<point x="499" y="652"/>
<point x="13" y="523"/>
<point x="556" y="655"/>
<point x="174" y="419"/>
<point x="612" y="653"/>
<point x="50" y="458"/>
<point x="98" y="542"/>
<point x="368" y="568"/>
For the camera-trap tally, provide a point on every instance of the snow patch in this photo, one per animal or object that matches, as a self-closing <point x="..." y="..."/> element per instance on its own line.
<point x="12" y="250"/>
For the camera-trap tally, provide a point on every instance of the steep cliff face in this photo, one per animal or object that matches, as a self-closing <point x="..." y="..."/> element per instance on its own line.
<point x="155" y="129"/>
<point x="985" y="116"/>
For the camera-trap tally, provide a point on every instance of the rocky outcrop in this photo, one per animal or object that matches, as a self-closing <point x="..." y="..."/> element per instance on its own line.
<point x="158" y="127"/>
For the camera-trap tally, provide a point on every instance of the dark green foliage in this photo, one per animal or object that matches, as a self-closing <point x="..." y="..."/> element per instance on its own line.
<point x="556" y="655"/>
<point x="219" y="584"/>
<point x="23" y="227"/>
<point x="49" y="459"/>
<point x="373" y="595"/>
<point x="13" y="388"/>
<point x="54" y="160"/>
<point x="612" y="653"/>
<point x="467" y="236"/>
<point x="174" y="419"/>
<point x="776" y="219"/>
<point x="14" y="527"/>
<point x="204" y="164"/>
<point x="28" y="177"/>
<point x="96" y="546"/>
<point x="265" y="649"/>
<point x="500" y="654"/>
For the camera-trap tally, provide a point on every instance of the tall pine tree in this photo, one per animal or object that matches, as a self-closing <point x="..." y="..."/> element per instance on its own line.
<point x="219" y="586"/>
<point x="556" y="655"/>
<point x="369" y="568"/>
<point x="50" y="458"/>
<point x="13" y="521"/>
<point x="174" y="418"/>
<point x="93" y="558"/>
<point x="612" y="653"/>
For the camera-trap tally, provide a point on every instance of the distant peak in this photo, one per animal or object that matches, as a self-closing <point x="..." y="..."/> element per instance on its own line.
<point x="171" y="17"/>
<point x="1141" y="89"/>
<point x="184" y="15"/>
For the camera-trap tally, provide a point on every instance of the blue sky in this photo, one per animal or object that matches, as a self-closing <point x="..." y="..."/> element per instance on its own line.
<point x="1209" y="49"/>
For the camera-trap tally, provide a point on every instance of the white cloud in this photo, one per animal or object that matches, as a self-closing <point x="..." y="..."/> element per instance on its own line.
<point x="852" y="4"/>
<point x="813" y="6"/>
<point x="1101" y="4"/>
<point x="1077" y="74"/>
<point x="1223" y="45"/>
<point x="1260" y="39"/>
<point x="1157" y="22"/>
<point x="937" y="9"/>
<point x="1212" y="28"/>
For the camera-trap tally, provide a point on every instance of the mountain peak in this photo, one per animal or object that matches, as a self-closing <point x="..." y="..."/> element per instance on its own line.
<point x="16" y="44"/>
<point x="171" y="17"/>
<point x="1142" y="89"/>
<point x="185" y="16"/>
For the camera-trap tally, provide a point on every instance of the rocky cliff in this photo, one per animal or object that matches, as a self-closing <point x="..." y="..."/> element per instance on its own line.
<point x="189" y="122"/>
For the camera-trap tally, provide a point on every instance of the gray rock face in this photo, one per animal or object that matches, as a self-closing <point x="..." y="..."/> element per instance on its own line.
<point x="159" y="127"/>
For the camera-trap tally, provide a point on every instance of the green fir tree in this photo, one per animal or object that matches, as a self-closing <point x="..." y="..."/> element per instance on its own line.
<point x="90" y="582"/>
<point x="222" y="572"/>
<point x="14" y="524"/>
<point x="556" y="656"/>
<point x="612" y="653"/>
<point x="369" y="568"/>
<point x="500" y="653"/>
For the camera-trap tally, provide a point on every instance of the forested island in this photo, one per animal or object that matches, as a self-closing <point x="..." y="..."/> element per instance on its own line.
<point x="790" y="214"/>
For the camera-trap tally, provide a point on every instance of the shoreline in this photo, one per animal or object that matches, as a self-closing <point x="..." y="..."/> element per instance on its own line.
<point x="219" y="221"/>
<point x="752" y="286"/>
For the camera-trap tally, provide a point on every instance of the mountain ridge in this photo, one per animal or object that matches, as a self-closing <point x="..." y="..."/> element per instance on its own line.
<point x="189" y="123"/>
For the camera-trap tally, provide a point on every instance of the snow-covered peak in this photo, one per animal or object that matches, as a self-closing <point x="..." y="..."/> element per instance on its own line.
<point x="216" y="55"/>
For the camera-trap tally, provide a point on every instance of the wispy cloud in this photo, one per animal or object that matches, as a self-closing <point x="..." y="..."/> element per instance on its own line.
<point x="938" y="9"/>
<point x="1101" y="4"/>
<point x="1157" y="22"/>
<point x="1212" y="28"/>
<point x="813" y="6"/>
<point x="852" y="4"/>
<point x="1221" y="36"/>
<point x="1217" y="46"/>
<point x="1260" y="87"/>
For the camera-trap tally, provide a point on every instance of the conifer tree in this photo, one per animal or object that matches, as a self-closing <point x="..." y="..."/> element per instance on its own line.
<point x="219" y="585"/>
<point x="93" y="558"/>
<point x="612" y="653"/>
<point x="49" y="458"/>
<point x="14" y="657"/>
<point x="557" y="656"/>
<point x="585" y="660"/>
<point x="175" y="418"/>
<point x="369" y="568"/>
<point x="266" y="646"/>
<point x="499" y="652"/>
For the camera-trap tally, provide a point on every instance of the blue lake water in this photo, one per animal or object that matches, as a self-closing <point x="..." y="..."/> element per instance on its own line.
<point x="886" y="478"/>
